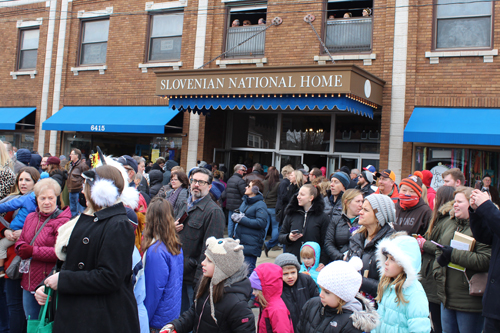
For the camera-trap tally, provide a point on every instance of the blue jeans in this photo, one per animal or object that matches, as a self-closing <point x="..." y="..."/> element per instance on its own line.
<point x="30" y="305"/>
<point x="17" y="318"/>
<point x="230" y="224"/>
<point x="275" y="228"/>
<point x="461" y="322"/>
<point x="74" y="204"/>
<point x="187" y="296"/>
<point x="251" y="261"/>
<point x="4" y="311"/>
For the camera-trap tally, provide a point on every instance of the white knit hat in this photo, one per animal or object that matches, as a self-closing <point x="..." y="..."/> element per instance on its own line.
<point x="342" y="278"/>
<point x="383" y="207"/>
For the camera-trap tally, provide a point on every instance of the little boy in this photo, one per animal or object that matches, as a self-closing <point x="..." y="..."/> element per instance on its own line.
<point x="297" y="288"/>
<point x="309" y="255"/>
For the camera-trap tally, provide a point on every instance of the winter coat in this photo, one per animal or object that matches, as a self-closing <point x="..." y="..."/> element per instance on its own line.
<point x="271" y="194"/>
<point x="60" y="176"/>
<point x="155" y="182"/>
<point x="75" y="179"/>
<point x="232" y="311"/>
<point x="275" y="317"/>
<point x="312" y="270"/>
<point x="44" y="256"/>
<point x="328" y="206"/>
<point x="235" y="191"/>
<point x="95" y="281"/>
<point x="25" y="203"/>
<point x="338" y="236"/>
<point x="367" y="253"/>
<point x="394" y="196"/>
<point x="484" y="223"/>
<point x="412" y="316"/>
<point x="431" y="194"/>
<point x="286" y="190"/>
<point x="35" y="161"/>
<point x="312" y="225"/>
<point x="414" y="220"/>
<point x="357" y="316"/>
<point x="252" y="227"/>
<point x="7" y="180"/>
<point x="429" y="255"/>
<point x="140" y="290"/>
<point x="163" y="272"/>
<point x="180" y="205"/>
<point x="254" y="175"/>
<point x="297" y="295"/>
<point x="365" y="190"/>
<point x="336" y="205"/>
<point x="205" y="219"/>
<point x="452" y="285"/>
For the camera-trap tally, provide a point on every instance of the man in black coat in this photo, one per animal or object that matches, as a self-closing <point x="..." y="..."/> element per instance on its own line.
<point x="234" y="194"/>
<point x="365" y="183"/>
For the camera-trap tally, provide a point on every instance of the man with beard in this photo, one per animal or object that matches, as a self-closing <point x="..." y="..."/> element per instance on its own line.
<point x="204" y="219"/>
<point x="387" y="185"/>
<point x="364" y="183"/>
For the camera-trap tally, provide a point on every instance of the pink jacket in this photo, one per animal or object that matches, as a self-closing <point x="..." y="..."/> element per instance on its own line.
<point x="44" y="256"/>
<point x="431" y="194"/>
<point x="275" y="317"/>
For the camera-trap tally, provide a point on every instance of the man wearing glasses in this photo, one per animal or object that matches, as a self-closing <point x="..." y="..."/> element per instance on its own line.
<point x="204" y="219"/>
<point x="235" y="191"/>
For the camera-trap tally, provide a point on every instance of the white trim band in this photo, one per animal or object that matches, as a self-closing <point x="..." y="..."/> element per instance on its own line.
<point x="30" y="73"/>
<point x="367" y="58"/>
<point x="486" y="54"/>
<point x="259" y="62"/>
<point x="27" y="24"/>
<point x="101" y="69"/>
<point x="151" y="6"/>
<point x="96" y="13"/>
<point x="174" y="65"/>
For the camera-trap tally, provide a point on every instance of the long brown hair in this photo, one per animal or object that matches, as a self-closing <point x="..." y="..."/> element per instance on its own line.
<point x="398" y="282"/>
<point x="35" y="175"/>
<point x="273" y="177"/>
<point x="218" y="292"/>
<point x="160" y="226"/>
<point x="443" y="195"/>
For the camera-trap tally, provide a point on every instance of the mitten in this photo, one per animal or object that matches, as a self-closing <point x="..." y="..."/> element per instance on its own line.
<point x="421" y="240"/>
<point x="25" y="251"/>
<point x="445" y="258"/>
<point x="236" y="217"/>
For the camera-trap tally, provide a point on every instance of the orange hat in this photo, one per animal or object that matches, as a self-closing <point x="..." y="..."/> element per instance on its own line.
<point x="419" y="174"/>
<point x="388" y="174"/>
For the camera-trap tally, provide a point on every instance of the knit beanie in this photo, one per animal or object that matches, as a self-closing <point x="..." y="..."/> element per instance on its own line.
<point x="286" y="259"/>
<point x="255" y="281"/>
<point x="227" y="256"/>
<point x="343" y="178"/>
<point x="217" y="189"/>
<point x="418" y="174"/>
<point x="427" y="178"/>
<point x="383" y="207"/>
<point x="368" y="176"/>
<point x="342" y="278"/>
<point x="415" y="183"/>
<point x="24" y="156"/>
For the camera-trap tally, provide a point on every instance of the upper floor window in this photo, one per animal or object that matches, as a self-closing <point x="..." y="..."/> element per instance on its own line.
<point x="28" y="48"/>
<point x="94" y="42"/>
<point x="244" y="22"/>
<point x="466" y="24"/>
<point x="349" y="26"/>
<point x="166" y="36"/>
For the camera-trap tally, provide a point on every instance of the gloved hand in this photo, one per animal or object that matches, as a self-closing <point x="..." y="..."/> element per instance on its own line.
<point x="236" y="217"/>
<point x="421" y="240"/>
<point x="445" y="258"/>
<point x="25" y="251"/>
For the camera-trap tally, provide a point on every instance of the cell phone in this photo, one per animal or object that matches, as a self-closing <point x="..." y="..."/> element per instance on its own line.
<point x="183" y="218"/>
<point x="436" y="243"/>
<point x="237" y="211"/>
<point x="294" y="232"/>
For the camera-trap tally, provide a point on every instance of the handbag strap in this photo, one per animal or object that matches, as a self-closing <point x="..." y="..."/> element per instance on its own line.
<point x="43" y="311"/>
<point x="468" y="281"/>
<point x="54" y="214"/>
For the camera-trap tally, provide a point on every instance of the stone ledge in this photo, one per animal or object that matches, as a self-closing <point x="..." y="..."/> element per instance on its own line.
<point x="101" y="69"/>
<point x="367" y="58"/>
<point x="435" y="55"/>
<point x="174" y="65"/>
<point x="19" y="73"/>
<point x="259" y="62"/>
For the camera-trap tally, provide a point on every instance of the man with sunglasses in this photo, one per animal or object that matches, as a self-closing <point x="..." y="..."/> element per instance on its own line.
<point x="204" y="219"/>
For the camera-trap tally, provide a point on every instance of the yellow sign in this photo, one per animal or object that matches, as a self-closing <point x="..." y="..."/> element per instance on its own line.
<point x="155" y="153"/>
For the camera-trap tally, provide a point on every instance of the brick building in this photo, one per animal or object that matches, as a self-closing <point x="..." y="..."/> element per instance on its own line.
<point x="93" y="81"/>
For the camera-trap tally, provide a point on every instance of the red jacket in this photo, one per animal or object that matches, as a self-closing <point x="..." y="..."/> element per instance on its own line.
<point x="395" y="193"/>
<point x="44" y="256"/>
<point x="275" y="317"/>
<point x="431" y="194"/>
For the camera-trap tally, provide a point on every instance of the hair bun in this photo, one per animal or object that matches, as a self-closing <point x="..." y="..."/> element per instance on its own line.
<point x="357" y="263"/>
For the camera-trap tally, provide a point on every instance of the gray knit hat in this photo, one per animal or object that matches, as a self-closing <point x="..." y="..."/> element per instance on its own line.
<point x="383" y="207"/>
<point x="285" y="259"/>
<point x="368" y="176"/>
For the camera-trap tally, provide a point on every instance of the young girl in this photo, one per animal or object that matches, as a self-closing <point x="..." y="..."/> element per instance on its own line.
<point x="339" y="307"/>
<point x="221" y="302"/>
<point x="403" y="305"/>
<point x="163" y="265"/>
<point x="267" y="284"/>
<point x="309" y="255"/>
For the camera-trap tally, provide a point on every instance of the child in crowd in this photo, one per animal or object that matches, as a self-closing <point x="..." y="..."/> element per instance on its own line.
<point x="221" y="301"/>
<point x="309" y="255"/>
<point x="339" y="307"/>
<point x="403" y="305"/>
<point x="267" y="284"/>
<point x="297" y="288"/>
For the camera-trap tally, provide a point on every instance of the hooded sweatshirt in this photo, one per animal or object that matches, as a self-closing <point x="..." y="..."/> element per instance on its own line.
<point x="413" y="220"/>
<point x="155" y="181"/>
<point x="413" y="315"/>
<point x="275" y="317"/>
<point x="312" y="270"/>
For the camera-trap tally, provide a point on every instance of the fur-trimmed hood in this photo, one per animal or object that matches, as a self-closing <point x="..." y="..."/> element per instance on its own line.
<point x="447" y="208"/>
<point x="405" y="251"/>
<point x="367" y="318"/>
<point x="318" y="206"/>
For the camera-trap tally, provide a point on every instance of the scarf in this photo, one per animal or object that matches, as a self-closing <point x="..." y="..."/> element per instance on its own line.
<point x="408" y="201"/>
<point x="173" y="197"/>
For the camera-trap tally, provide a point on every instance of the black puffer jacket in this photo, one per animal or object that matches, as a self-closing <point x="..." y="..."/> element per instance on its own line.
<point x="368" y="256"/>
<point x="297" y="295"/>
<point x="336" y="205"/>
<point x="338" y="236"/>
<point x="312" y="226"/>
<point x="234" y="191"/>
<point x="357" y="316"/>
<point x="232" y="311"/>
<point x="366" y="190"/>
<point x="60" y="176"/>
<point x="155" y="181"/>
<point x="286" y="190"/>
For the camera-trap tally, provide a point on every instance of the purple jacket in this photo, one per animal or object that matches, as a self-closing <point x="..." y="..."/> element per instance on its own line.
<point x="44" y="256"/>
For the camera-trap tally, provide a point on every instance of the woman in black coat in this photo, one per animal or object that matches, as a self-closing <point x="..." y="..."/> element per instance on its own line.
<point x="305" y="215"/>
<point x="94" y="286"/>
<point x="155" y="182"/>
<point x="57" y="173"/>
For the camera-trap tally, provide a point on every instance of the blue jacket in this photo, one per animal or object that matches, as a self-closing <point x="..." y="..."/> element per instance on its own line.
<point x="252" y="227"/>
<point x="140" y="290"/>
<point x="317" y="253"/>
<point x="25" y="203"/>
<point x="163" y="272"/>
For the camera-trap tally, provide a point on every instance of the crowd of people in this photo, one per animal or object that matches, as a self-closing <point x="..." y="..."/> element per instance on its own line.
<point x="141" y="247"/>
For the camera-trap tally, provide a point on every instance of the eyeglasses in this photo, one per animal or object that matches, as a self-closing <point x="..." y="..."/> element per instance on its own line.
<point x="172" y="179"/>
<point x="200" y="182"/>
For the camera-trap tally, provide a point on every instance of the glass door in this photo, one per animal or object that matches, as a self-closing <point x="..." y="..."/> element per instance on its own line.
<point x="333" y="165"/>
<point x="293" y="159"/>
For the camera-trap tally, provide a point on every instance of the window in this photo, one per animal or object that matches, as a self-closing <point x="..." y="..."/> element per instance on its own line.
<point x="94" y="42"/>
<point x="28" y="49"/>
<point x="349" y="26"/>
<point x="305" y="132"/>
<point x="466" y="24"/>
<point x="244" y="22"/>
<point x="166" y="36"/>
<point x="254" y="130"/>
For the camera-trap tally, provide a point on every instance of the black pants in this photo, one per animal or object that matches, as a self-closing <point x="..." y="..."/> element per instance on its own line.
<point x="435" y="310"/>
<point x="491" y="325"/>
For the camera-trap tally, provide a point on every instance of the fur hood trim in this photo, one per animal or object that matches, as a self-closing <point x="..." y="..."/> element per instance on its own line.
<point x="130" y="197"/>
<point x="446" y="208"/>
<point x="63" y="235"/>
<point x="405" y="251"/>
<point x="367" y="319"/>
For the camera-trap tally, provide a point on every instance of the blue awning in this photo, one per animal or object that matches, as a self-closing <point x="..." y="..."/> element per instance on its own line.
<point x="9" y="117"/>
<point x="454" y="126"/>
<point x="204" y="104"/>
<point x="114" y="119"/>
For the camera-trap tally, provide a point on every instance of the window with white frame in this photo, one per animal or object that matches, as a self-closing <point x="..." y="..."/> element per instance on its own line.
<point x="94" y="42"/>
<point x="28" y="48"/>
<point x="463" y="24"/>
<point x="166" y="36"/>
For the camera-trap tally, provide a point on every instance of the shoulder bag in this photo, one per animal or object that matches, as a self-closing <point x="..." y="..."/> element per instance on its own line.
<point x="477" y="283"/>
<point x="43" y="324"/>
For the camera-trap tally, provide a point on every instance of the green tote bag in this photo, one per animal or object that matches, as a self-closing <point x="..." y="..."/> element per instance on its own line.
<point x="42" y="324"/>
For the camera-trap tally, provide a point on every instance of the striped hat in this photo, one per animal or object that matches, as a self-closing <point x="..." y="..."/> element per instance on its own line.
<point x="415" y="183"/>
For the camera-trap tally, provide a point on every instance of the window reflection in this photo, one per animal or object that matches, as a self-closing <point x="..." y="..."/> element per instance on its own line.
<point x="305" y="133"/>
<point x="254" y="130"/>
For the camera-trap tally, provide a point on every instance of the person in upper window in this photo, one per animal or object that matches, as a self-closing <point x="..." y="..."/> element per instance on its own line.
<point x="236" y="23"/>
<point x="348" y="15"/>
<point x="247" y="22"/>
<point x="262" y="21"/>
<point x="367" y="12"/>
